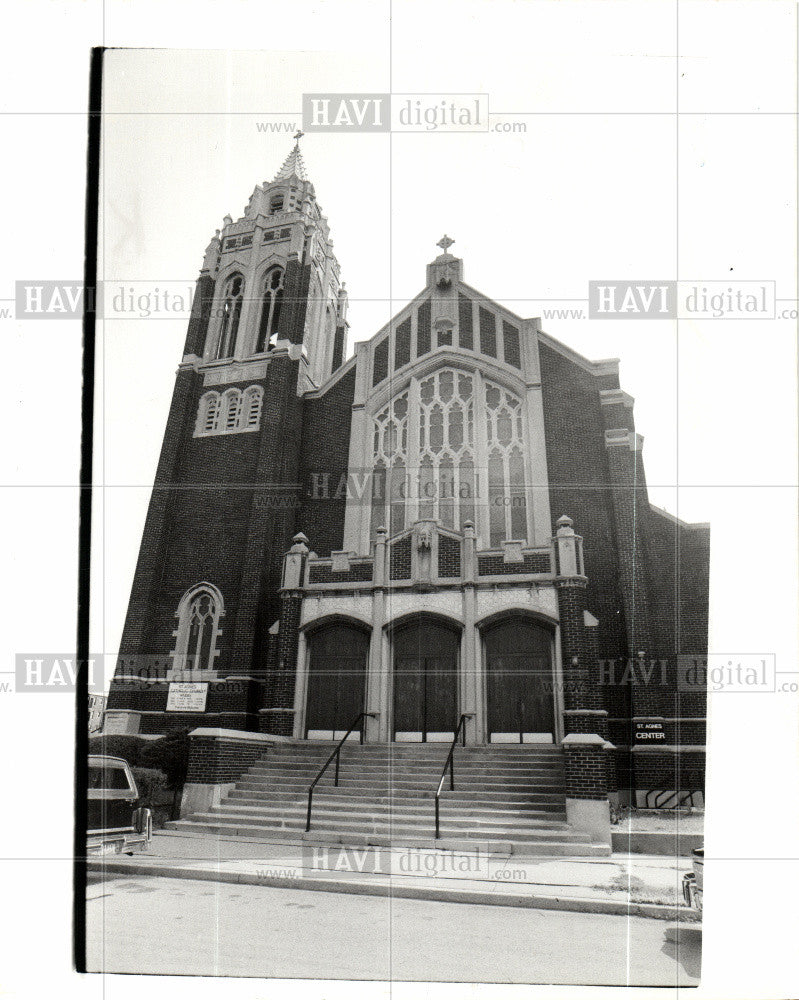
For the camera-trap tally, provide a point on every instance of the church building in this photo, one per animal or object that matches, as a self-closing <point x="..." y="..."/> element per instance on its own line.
<point x="447" y="531"/>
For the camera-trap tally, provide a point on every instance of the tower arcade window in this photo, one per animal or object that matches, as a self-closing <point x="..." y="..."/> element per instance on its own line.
<point x="231" y="315"/>
<point x="276" y="204"/>
<point x="271" y="304"/>
<point x="231" y="413"/>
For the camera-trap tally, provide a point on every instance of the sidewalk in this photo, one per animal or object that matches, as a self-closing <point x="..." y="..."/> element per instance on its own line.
<point x="637" y="885"/>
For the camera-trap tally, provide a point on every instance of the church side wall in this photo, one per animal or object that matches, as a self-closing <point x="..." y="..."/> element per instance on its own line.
<point x="324" y="466"/>
<point x="579" y="481"/>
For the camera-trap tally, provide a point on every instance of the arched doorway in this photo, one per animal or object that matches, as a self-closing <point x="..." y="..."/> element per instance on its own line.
<point x="519" y="682"/>
<point x="425" y="682"/>
<point x="336" y="680"/>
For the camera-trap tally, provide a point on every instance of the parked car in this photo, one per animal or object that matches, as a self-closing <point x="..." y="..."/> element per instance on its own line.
<point x="115" y="821"/>
<point x="692" y="881"/>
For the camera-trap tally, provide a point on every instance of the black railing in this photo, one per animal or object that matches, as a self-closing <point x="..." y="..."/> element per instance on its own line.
<point x="337" y="754"/>
<point x="449" y="765"/>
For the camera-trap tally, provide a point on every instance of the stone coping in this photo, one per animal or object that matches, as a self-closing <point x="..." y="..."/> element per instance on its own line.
<point x="671" y="747"/>
<point x="239" y="735"/>
<point x="583" y="739"/>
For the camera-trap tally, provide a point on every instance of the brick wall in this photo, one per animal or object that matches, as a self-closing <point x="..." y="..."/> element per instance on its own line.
<point x="325" y="452"/>
<point x="170" y="721"/>
<point x="534" y="562"/>
<point x="200" y="315"/>
<point x="579" y="478"/>
<point x="208" y="520"/>
<point x="217" y="761"/>
<point x="449" y="556"/>
<point x="585" y="771"/>
<point x="684" y="771"/>
<point x="647" y="576"/>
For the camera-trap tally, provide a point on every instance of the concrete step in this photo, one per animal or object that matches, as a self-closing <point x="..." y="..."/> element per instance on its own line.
<point x="401" y="767"/>
<point x="300" y="790"/>
<point x="412" y="826"/>
<point x="509" y="795"/>
<point x="519" y="847"/>
<point x="429" y="760"/>
<point x="474" y="819"/>
<point x="357" y="804"/>
<point x="299" y="747"/>
<point x="401" y="779"/>
<point x="376" y="788"/>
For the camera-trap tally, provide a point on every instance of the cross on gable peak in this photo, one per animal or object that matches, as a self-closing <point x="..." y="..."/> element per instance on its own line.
<point x="445" y="243"/>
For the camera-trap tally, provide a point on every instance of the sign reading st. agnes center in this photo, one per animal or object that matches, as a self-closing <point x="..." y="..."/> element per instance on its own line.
<point x="187" y="697"/>
<point x="647" y="731"/>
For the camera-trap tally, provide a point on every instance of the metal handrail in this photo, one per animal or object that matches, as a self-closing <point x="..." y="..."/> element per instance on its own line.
<point x="449" y="763"/>
<point x="336" y="753"/>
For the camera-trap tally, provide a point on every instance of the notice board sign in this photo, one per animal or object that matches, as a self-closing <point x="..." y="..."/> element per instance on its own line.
<point x="185" y="697"/>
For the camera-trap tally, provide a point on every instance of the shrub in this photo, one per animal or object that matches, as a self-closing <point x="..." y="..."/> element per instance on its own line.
<point x="169" y="754"/>
<point x="151" y="784"/>
<point x="154" y="793"/>
<point x="129" y="748"/>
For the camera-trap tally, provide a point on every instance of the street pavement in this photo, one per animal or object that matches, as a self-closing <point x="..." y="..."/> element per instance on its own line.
<point x="162" y="925"/>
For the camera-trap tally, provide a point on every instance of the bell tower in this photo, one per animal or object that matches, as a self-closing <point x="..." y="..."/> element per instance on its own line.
<point x="277" y="280"/>
<point x="268" y="327"/>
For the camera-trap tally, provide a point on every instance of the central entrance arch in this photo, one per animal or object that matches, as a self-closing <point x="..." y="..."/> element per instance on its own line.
<point x="425" y="682"/>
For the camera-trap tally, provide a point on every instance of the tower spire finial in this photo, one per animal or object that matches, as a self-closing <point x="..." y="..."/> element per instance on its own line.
<point x="445" y="243"/>
<point x="293" y="165"/>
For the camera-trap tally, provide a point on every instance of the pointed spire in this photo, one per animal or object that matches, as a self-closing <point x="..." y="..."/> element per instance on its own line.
<point x="293" y="164"/>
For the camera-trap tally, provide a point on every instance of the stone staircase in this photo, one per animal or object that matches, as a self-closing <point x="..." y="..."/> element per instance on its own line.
<point x="507" y="799"/>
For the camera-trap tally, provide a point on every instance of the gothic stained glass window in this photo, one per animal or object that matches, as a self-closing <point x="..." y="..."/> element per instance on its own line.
<point x="435" y="454"/>
<point x="390" y="466"/>
<point x="507" y="498"/>
<point x="198" y="627"/>
<point x="201" y="624"/>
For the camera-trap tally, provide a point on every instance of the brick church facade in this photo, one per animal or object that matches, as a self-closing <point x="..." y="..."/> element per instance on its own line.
<point x="451" y="522"/>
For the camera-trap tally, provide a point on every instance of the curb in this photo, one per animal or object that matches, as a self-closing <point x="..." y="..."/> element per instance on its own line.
<point x="656" y="911"/>
<point x="663" y="843"/>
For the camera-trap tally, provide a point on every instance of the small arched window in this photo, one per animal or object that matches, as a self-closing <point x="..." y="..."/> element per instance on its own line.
<point x="198" y="615"/>
<point x="251" y="409"/>
<point x="271" y="304"/>
<point x="231" y="407"/>
<point x="208" y="413"/>
<point x="231" y="316"/>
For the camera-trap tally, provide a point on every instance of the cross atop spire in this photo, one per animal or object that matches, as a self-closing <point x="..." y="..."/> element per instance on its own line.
<point x="445" y="243"/>
<point x="293" y="164"/>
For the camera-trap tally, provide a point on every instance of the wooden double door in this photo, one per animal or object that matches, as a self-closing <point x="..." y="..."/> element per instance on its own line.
<point x="336" y="681"/>
<point x="520" y="683"/>
<point x="425" y="683"/>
